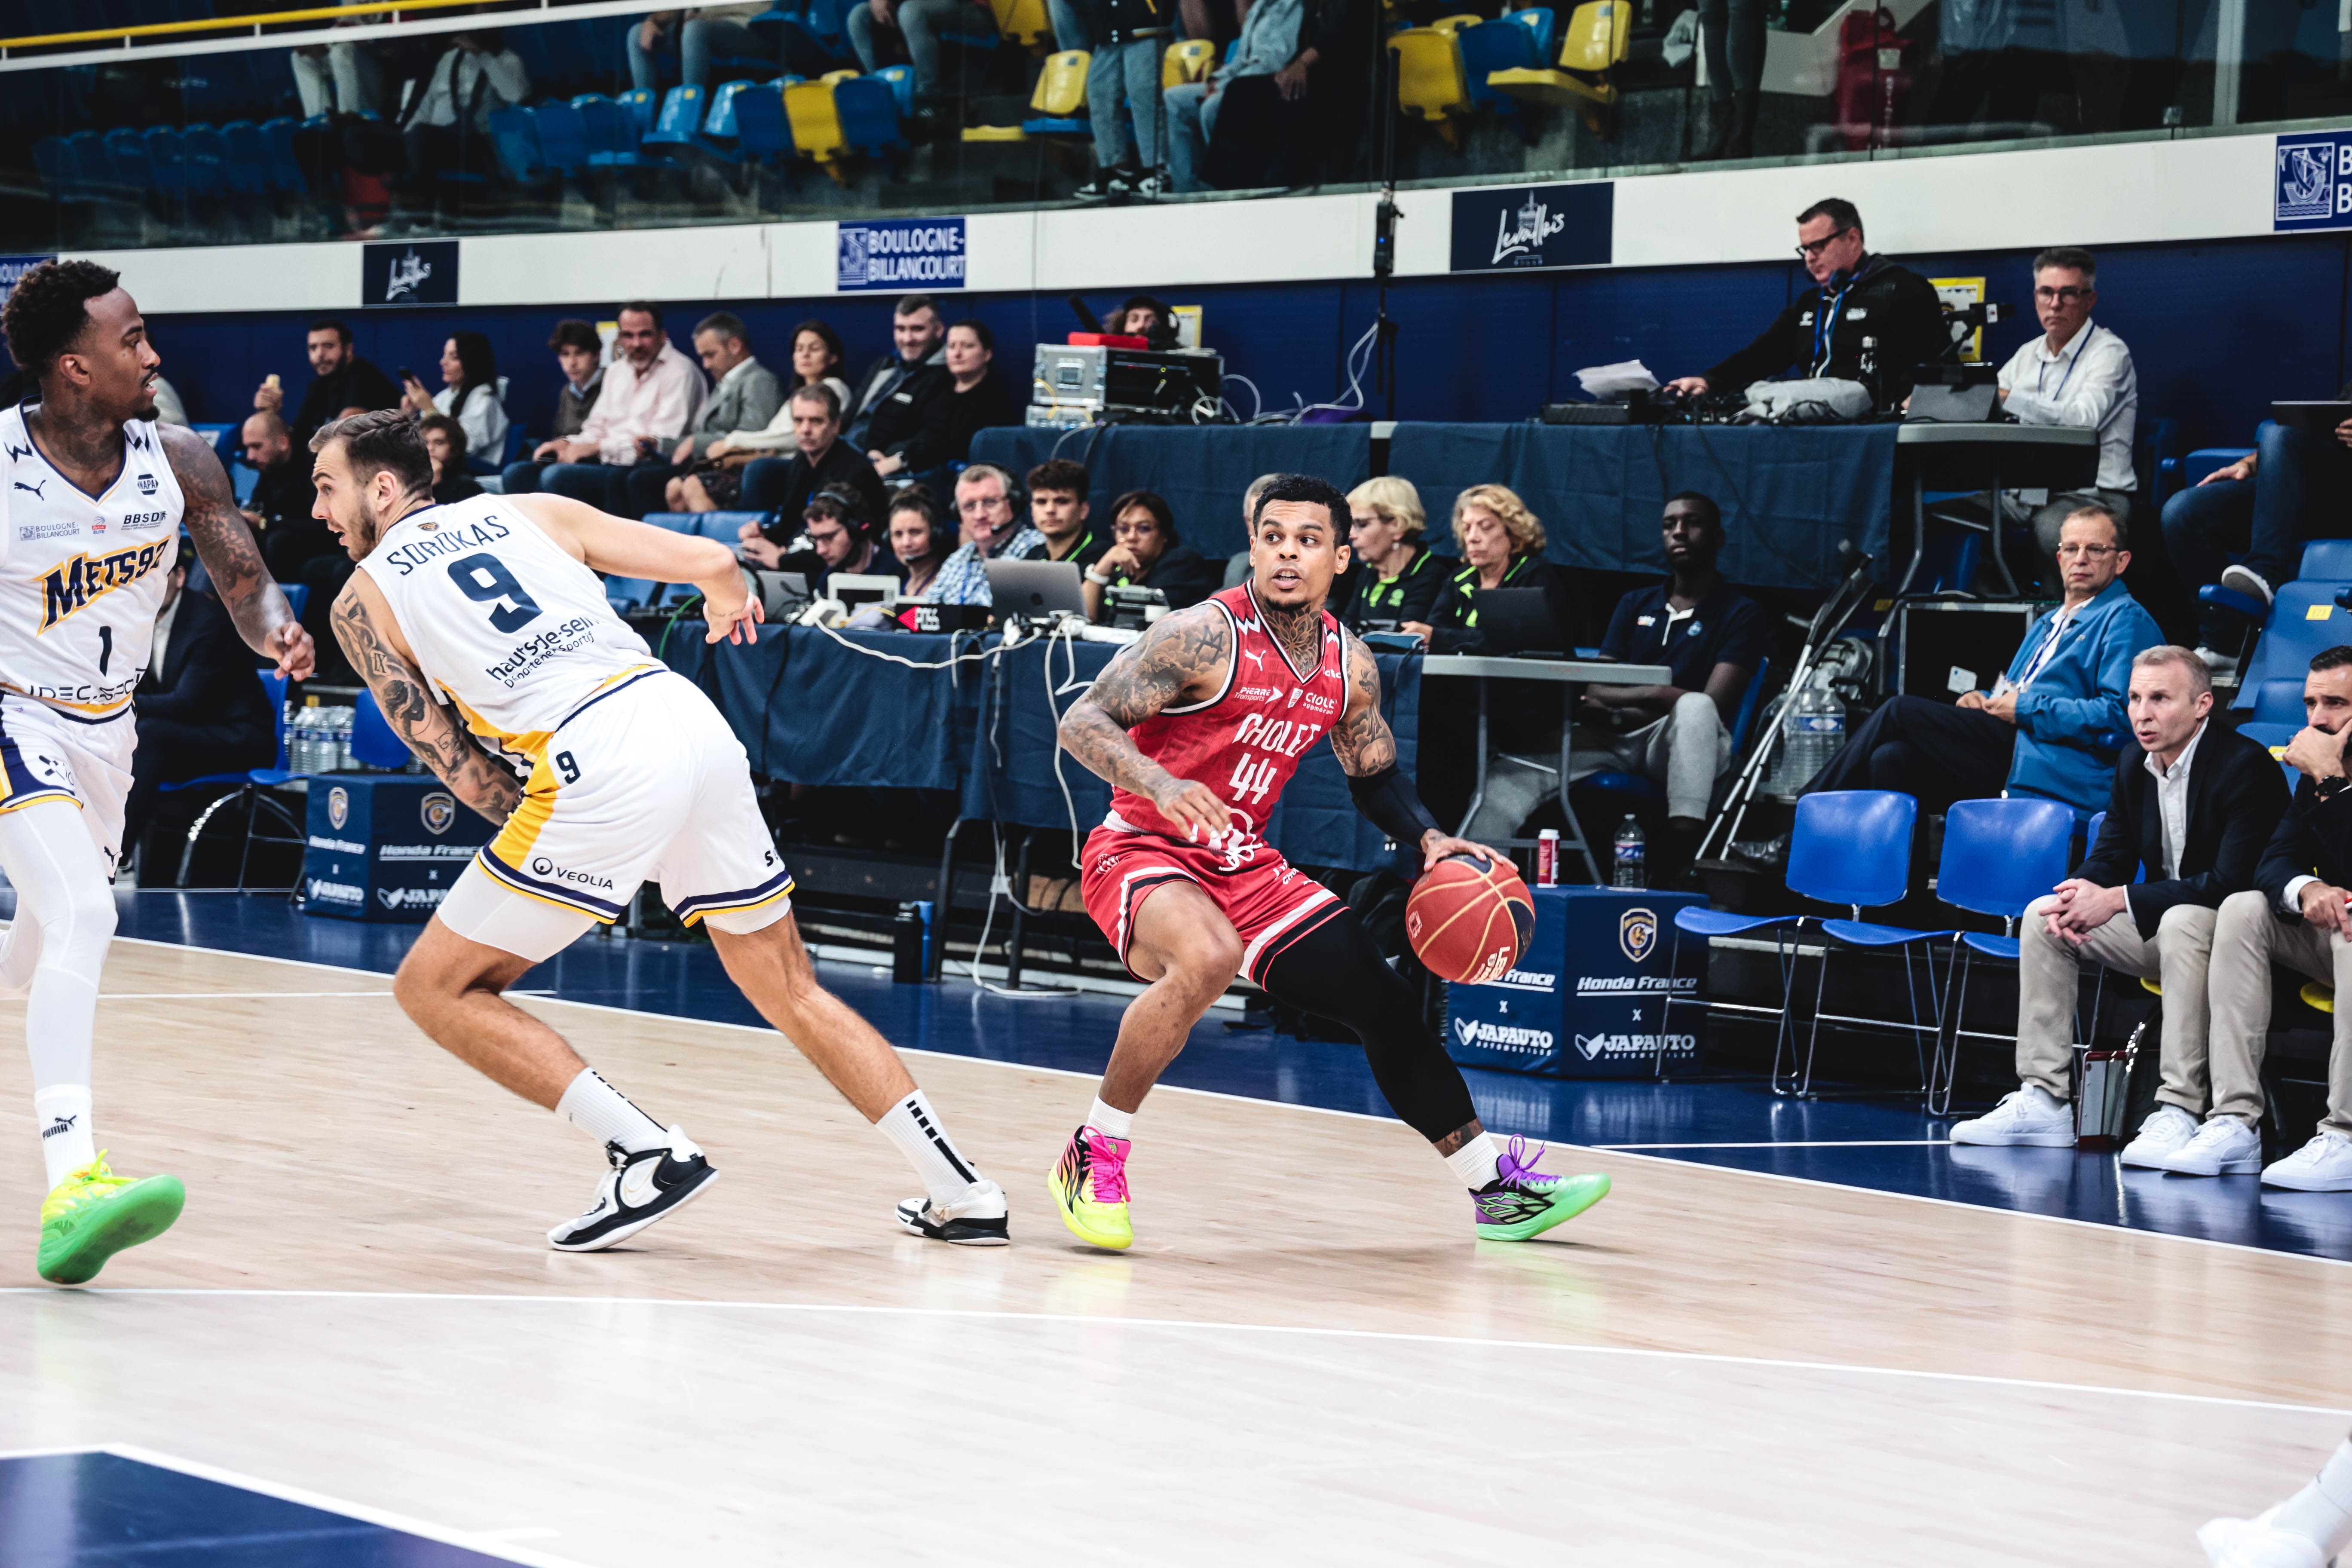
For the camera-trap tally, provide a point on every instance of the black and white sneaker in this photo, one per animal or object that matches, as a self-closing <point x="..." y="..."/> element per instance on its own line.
<point x="638" y="1190"/>
<point x="1145" y="185"/>
<point x="979" y="1219"/>
<point x="1106" y="183"/>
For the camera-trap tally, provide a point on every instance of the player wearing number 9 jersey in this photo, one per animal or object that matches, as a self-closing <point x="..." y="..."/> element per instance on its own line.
<point x="1197" y="727"/>
<point x="483" y="630"/>
<point x="94" y="498"/>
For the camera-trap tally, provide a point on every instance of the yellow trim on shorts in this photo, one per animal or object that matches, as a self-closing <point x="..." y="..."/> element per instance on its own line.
<point x="515" y="840"/>
<point x="35" y="797"/>
<point x="531" y="744"/>
<point x="783" y="893"/>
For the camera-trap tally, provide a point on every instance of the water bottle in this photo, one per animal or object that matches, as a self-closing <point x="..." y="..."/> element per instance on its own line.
<point x="1632" y="853"/>
<point x="301" y="742"/>
<point x="1824" y="730"/>
<point x="339" y="737"/>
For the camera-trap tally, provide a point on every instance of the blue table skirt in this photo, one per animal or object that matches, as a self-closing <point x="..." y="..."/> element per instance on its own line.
<point x="811" y="709"/>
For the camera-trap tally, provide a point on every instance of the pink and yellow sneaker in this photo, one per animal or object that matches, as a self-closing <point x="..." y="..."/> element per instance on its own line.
<point x="1090" y="1185"/>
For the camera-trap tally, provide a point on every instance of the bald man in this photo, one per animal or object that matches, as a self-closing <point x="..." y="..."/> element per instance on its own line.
<point x="280" y="507"/>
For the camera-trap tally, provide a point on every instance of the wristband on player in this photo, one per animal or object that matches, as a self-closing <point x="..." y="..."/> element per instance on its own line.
<point x="1391" y="804"/>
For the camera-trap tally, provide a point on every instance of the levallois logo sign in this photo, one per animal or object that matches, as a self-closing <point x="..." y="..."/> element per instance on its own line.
<point x="1500" y="227"/>
<point x="2311" y="181"/>
<point x="900" y="253"/>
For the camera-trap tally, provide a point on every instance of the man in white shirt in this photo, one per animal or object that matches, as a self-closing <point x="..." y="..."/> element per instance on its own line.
<point x="651" y="395"/>
<point x="2190" y="811"/>
<point x="446" y="120"/>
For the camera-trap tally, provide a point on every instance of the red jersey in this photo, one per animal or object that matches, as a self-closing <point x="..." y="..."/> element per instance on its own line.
<point x="1246" y="741"/>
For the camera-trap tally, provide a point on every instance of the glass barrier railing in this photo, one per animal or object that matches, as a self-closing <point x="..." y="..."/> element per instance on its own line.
<point x="510" y="121"/>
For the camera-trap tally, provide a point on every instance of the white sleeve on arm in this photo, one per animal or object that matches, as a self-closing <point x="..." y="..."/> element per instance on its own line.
<point x="2099" y="382"/>
<point x="2292" y="899"/>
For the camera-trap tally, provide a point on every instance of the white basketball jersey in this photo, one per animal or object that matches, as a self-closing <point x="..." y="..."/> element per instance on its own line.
<point x="82" y="578"/>
<point x="501" y="619"/>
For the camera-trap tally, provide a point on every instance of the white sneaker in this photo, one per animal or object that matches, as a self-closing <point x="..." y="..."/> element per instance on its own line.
<point x="2322" y="1165"/>
<point x="979" y="1219"/>
<point x="2164" y="1134"/>
<point x="2031" y="1118"/>
<point x="2255" y="1543"/>
<point x="2222" y="666"/>
<point x="2240" y="580"/>
<point x="639" y="1189"/>
<point x="2224" y="1146"/>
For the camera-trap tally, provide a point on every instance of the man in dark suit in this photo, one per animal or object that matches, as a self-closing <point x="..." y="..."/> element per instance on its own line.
<point x="2300" y="915"/>
<point x="2192" y="807"/>
<point x="783" y="486"/>
<point x="201" y="707"/>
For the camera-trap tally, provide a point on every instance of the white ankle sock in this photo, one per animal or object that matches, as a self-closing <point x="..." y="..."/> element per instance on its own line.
<point x="67" y="1143"/>
<point x="1476" y="1162"/>
<point x="915" y="1127"/>
<point x="605" y="1115"/>
<point x="1109" y="1121"/>
<point x="2322" y="1511"/>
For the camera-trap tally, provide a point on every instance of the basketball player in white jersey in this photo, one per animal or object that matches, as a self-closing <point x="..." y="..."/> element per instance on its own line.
<point x="96" y="494"/>
<point x="483" y="630"/>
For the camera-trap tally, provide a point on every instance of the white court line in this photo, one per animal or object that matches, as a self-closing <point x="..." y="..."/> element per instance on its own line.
<point x="1794" y="1144"/>
<point x="255" y="995"/>
<point x="2103" y="1227"/>
<point x="1385" y="1336"/>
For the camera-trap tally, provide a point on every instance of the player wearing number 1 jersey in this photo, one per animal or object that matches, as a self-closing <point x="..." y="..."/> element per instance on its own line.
<point x="1197" y="727"/>
<point x="483" y="630"/>
<point x="94" y="495"/>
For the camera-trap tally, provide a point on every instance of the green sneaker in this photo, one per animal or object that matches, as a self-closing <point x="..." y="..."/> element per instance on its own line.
<point x="1522" y="1203"/>
<point x="94" y="1214"/>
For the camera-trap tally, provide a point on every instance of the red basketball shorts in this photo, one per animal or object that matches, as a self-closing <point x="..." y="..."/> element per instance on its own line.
<point x="1270" y="902"/>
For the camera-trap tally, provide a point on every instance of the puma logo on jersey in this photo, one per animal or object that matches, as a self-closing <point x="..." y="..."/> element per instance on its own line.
<point x="1254" y="657"/>
<point x="68" y="587"/>
<point x="34" y="489"/>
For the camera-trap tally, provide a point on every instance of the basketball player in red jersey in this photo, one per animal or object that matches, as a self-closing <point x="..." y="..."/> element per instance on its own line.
<point x="1197" y="728"/>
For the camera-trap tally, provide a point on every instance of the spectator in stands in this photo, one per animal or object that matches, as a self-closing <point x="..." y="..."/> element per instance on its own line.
<point x="916" y="329"/>
<point x="1058" y="511"/>
<point x="1147" y="318"/>
<point x="818" y="356"/>
<point x="580" y="352"/>
<point x="2297" y="916"/>
<point x="2295" y="486"/>
<point x="930" y="420"/>
<point x="472" y="393"/>
<point x="1679" y="734"/>
<point x="446" y="125"/>
<point x="280" y="507"/>
<point x="2191" y="808"/>
<point x="201" y="710"/>
<point x="919" y="23"/>
<point x="331" y="78"/>
<point x="1732" y="34"/>
<point x="1146" y="553"/>
<point x="2050" y="724"/>
<point x="650" y="396"/>
<point x="784" y="486"/>
<point x="1854" y="295"/>
<point x="838" y="539"/>
<point x="1314" y="123"/>
<point x="744" y="395"/>
<point x="1502" y="546"/>
<point x="920" y="539"/>
<point x="1398" y="578"/>
<point x="697" y="37"/>
<point x="985" y="501"/>
<point x="444" y="443"/>
<point x="2079" y="373"/>
<point x="1130" y="37"/>
<point x="1269" y="41"/>
<point x="342" y="383"/>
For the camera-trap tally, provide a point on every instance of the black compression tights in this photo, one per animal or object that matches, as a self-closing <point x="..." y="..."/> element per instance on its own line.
<point x="1334" y="971"/>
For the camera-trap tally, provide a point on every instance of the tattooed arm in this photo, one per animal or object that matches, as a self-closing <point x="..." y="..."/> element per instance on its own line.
<point x="1367" y="750"/>
<point x="1183" y="657"/>
<point x="224" y="542"/>
<point x="371" y="636"/>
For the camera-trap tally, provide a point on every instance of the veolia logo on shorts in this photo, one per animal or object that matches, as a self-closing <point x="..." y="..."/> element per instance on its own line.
<point x="540" y="865"/>
<point x="439" y="810"/>
<point x="339" y="806"/>
<point x="1637" y="933"/>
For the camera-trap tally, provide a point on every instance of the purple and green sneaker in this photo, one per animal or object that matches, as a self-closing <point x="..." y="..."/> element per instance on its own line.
<point x="1522" y="1203"/>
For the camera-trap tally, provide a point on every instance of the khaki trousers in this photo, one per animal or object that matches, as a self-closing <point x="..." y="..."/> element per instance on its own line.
<point x="2247" y="940"/>
<point x="2049" y="975"/>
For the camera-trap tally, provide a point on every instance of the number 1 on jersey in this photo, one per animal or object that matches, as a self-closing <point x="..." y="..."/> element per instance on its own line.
<point x="484" y="578"/>
<point x="105" y="647"/>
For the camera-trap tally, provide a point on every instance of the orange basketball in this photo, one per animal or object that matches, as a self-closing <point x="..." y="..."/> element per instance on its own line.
<point x="1469" y="921"/>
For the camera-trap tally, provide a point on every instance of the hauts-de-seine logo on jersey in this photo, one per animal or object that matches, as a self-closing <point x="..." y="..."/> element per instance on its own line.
<point x="1637" y="933"/>
<point x="339" y="806"/>
<point x="438" y="811"/>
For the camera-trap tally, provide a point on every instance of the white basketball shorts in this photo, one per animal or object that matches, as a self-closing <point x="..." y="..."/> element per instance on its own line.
<point x="46" y="753"/>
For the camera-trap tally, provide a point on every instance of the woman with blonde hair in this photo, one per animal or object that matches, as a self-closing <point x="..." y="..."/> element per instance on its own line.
<point x="1397" y="579"/>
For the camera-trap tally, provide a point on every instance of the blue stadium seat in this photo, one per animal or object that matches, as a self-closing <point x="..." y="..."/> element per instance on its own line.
<point x="563" y="145"/>
<point x="2278" y="702"/>
<point x="285" y="170"/>
<point x="167" y="162"/>
<point x="902" y="86"/>
<point x="2326" y="560"/>
<point x="129" y="152"/>
<point x="2304" y="619"/>
<point x="207" y="152"/>
<point x="1544" y="23"/>
<point x="373" y="742"/>
<point x="515" y="133"/>
<point x="679" y="125"/>
<point x="60" y="176"/>
<point x="1506" y="44"/>
<point x="870" y="115"/>
<point x="246" y="161"/>
<point x="763" y="134"/>
<point x="612" y="139"/>
<point x="643" y="108"/>
<point x="93" y="164"/>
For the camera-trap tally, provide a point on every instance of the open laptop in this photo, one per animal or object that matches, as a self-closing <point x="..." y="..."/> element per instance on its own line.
<point x="855" y="588"/>
<point x="1517" y="622"/>
<point x="1035" y="587"/>
<point x="782" y="595"/>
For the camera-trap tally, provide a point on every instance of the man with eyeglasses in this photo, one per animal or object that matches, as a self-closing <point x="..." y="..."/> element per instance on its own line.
<point x="1855" y="295"/>
<point x="2076" y="373"/>
<point x="2051" y="726"/>
<point x="992" y="530"/>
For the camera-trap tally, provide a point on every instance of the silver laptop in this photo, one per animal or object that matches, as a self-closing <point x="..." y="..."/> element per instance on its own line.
<point x="855" y="588"/>
<point x="1035" y="587"/>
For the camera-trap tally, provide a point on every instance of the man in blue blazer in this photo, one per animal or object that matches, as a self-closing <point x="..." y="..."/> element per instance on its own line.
<point x="2054" y="723"/>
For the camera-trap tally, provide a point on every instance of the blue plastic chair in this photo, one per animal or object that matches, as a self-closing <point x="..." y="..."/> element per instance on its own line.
<point x="868" y="110"/>
<point x="1643" y="787"/>
<point x="643" y="108"/>
<point x="680" y="123"/>
<point x="2326" y="560"/>
<point x="373" y="744"/>
<point x="563" y="147"/>
<point x="2304" y="619"/>
<point x="278" y="138"/>
<point x="206" y="154"/>
<point x="1489" y="46"/>
<point x="1999" y="856"/>
<point x="2278" y="703"/>
<point x="246" y="161"/>
<point x="902" y="86"/>
<point x="298" y="596"/>
<point x="763" y="134"/>
<point x="251" y="789"/>
<point x="611" y="140"/>
<point x="1544" y="23"/>
<point x="514" y="132"/>
<point x="129" y="151"/>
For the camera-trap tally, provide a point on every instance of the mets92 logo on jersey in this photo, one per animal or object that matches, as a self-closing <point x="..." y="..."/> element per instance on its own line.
<point x="69" y="587"/>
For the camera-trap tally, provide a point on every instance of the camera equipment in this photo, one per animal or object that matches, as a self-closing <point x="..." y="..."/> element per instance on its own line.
<point x="1114" y="383"/>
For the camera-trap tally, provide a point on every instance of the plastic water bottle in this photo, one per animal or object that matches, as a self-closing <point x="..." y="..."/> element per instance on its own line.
<point x="1812" y="732"/>
<point x="339" y="738"/>
<point x="1632" y="855"/>
<point x="302" y="742"/>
